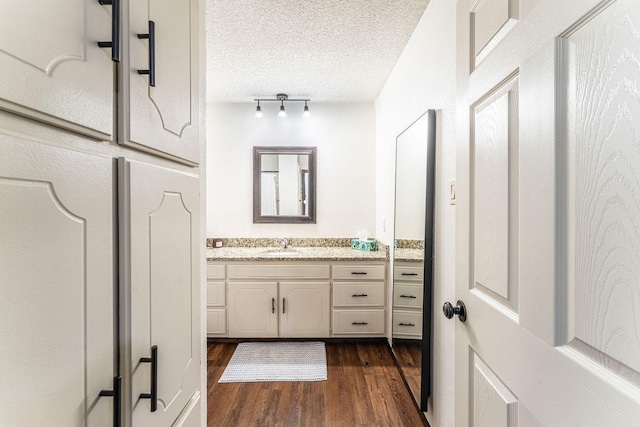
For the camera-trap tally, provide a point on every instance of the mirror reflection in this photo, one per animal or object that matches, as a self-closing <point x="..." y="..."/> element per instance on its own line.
<point x="284" y="184"/>
<point x="413" y="226"/>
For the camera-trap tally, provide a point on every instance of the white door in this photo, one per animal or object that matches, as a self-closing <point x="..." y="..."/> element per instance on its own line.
<point x="57" y="287"/>
<point x="548" y="226"/>
<point x="51" y="66"/>
<point x="305" y="308"/>
<point x="160" y="295"/>
<point x="164" y="116"/>
<point x="253" y="309"/>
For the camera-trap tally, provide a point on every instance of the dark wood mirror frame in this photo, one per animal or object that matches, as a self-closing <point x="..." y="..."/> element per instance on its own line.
<point x="257" y="185"/>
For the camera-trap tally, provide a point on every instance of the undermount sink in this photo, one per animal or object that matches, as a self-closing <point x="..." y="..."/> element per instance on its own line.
<point x="282" y="252"/>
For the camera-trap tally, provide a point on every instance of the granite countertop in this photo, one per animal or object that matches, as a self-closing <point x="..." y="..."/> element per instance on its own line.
<point x="299" y="254"/>
<point x="408" y="255"/>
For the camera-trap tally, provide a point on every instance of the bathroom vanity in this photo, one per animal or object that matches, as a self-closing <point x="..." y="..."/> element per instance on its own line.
<point x="315" y="292"/>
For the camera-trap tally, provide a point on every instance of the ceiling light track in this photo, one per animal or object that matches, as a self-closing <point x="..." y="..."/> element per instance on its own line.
<point x="281" y="98"/>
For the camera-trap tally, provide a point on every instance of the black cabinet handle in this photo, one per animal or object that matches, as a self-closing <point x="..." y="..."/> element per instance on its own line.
<point x="406" y="324"/>
<point x="358" y="272"/>
<point x="282" y="305"/>
<point x="151" y="35"/>
<point x="359" y="295"/>
<point x="115" y="393"/>
<point x="409" y="274"/>
<point x="359" y="323"/>
<point x="154" y="378"/>
<point x="114" y="44"/>
<point x="408" y="296"/>
<point x="273" y="305"/>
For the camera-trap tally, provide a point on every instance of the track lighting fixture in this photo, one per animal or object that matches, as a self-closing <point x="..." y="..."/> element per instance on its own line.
<point x="281" y="98"/>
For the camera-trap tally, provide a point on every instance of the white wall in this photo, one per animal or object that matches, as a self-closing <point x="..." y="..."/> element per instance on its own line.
<point x="345" y="137"/>
<point x="424" y="78"/>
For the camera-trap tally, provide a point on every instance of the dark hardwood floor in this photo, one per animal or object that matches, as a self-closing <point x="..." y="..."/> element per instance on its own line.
<point x="409" y="356"/>
<point x="363" y="388"/>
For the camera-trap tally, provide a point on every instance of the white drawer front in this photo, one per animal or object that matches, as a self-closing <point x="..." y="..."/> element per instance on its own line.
<point x="407" y="323"/>
<point x="358" y="272"/>
<point x="215" y="294"/>
<point x="270" y="271"/>
<point x="215" y="271"/>
<point x="350" y="294"/>
<point x="409" y="272"/>
<point x="358" y="322"/>
<point x="216" y="321"/>
<point x="407" y="295"/>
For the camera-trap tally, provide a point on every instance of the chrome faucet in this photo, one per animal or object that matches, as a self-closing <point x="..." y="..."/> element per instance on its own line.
<point x="284" y="243"/>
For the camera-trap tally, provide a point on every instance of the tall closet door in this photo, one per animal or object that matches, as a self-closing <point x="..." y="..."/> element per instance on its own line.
<point x="160" y="305"/>
<point x="57" y="343"/>
<point x="52" y="68"/>
<point x="161" y="109"/>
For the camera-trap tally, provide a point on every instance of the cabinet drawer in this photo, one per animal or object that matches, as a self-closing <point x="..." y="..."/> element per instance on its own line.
<point x="358" y="271"/>
<point x="215" y="271"/>
<point x="407" y="295"/>
<point x="358" y="322"/>
<point x="407" y="323"/>
<point x="215" y="294"/>
<point x="271" y="271"/>
<point x="350" y="294"/>
<point x="408" y="272"/>
<point x="216" y="321"/>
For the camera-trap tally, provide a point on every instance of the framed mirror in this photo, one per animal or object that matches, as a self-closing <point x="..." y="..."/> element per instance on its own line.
<point x="413" y="253"/>
<point x="284" y="185"/>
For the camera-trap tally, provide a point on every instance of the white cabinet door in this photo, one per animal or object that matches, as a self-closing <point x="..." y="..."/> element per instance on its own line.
<point x="548" y="213"/>
<point x="52" y="68"/>
<point x="163" y="118"/>
<point x="160" y="298"/>
<point x="57" y="286"/>
<point x="253" y="309"/>
<point x="305" y="309"/>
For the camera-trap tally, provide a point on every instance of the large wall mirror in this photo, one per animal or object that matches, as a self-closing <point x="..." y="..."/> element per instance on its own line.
<point x="284" y="185"/>
<point x="413" y="253"/>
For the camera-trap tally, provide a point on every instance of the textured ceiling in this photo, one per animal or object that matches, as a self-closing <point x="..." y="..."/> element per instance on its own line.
<point x="326" y="50"/>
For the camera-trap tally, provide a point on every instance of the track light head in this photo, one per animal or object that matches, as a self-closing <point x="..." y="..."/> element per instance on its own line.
<point x="306" y="113"/>
<point x="282" y="114"/>
<point x="259" y="114"/>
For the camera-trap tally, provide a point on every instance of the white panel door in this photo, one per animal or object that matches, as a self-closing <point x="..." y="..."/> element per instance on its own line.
<point x="57" y="286"/>
<point x="52" y="68"/>
<point x="163" y="117"/>
<point x="160" y="259"/>
<point x="548" y="220"/>
<point x="305" y="309"/>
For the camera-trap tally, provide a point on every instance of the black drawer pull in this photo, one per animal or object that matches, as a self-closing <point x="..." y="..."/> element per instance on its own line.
<point x="114" y="44"/>
<point x="359" y="295"/>
<point x="359" y="323"/>
<point x="408" y="296"/>
<point x="115" y="393"/>
<point x="154" y="378"/>
<point x="406" y="324"/>
<point x="273" y="305"/>
<point x="409" y="274"/>
<point x="151" y="35"/>
<point x="358" y="272"/>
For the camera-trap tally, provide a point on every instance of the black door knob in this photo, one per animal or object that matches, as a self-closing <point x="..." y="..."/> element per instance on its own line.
<point x="460" y="310"/>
